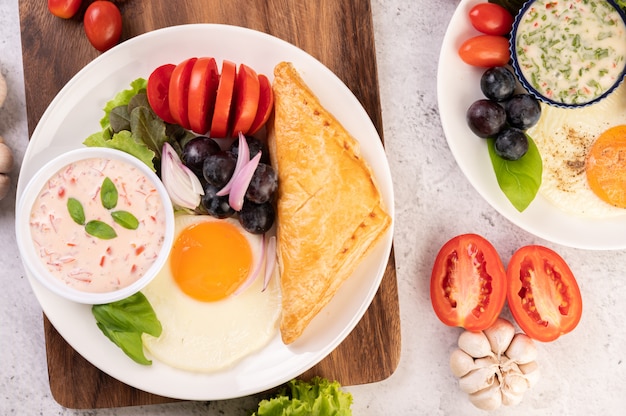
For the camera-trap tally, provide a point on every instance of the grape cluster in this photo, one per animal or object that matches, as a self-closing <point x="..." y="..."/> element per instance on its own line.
<point x="504" y="114"/>
<point x="215" y="167"/>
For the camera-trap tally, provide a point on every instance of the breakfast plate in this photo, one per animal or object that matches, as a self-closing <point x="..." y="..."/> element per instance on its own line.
<point x="75" y="113"/>
<point x="457" y="88"/>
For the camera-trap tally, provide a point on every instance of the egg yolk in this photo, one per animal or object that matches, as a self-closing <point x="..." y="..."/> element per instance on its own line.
<point x="210" y="260"/>
<point x="606" y="166"/>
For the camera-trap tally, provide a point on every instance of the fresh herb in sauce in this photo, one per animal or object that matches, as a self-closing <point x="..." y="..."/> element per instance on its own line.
<point x="108" y="194"/>
<point x="75" y="208"/>
<point x="100" y="229"/>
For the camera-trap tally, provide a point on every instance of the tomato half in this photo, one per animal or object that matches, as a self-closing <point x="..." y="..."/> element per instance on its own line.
<point x="179" y="92"/>
<point x="103" y="24"/>
<point x="64" y="8"/>
<point x="491" y="19"/>
<point x="157" y="91"/>
<point x="468" y="283"/>
<point x="203" y="84"/>
<point x="543" y="294"/>
<point x="485" y="51"/>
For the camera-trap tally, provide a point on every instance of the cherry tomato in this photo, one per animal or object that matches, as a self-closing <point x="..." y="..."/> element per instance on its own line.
<point x="203" y="84"/>
<point x="223" y="100"/>
<point x="157" y="91"/>
<point x="542" y="293"/>
<point x="266" y="103"/>
<point x="468" y="283"/>
<point x="64" y="8"/>
<point x="247" y="93"/>
<point x="103" y="24"/>
<point x="491" y="19"/>
<point x="485" y="51"/>
<point x="179" y="92"/>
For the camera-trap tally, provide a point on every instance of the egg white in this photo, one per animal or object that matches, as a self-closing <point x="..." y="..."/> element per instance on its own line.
<point x="211" y="336"/>
<point x="564" y="137"/>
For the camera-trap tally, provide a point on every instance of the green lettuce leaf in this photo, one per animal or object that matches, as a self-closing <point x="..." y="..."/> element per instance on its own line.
<point x="122" y="98"/>
<point x="319" y="397"/>
<point x="123" y="141"/>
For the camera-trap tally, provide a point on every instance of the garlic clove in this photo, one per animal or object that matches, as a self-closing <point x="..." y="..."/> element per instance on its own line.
<point x="522" y="349"/>
<point x="500" y="335"/>
<point x="487" y="399"/>
<point x="510" y="398"/>
<point x="531" y="372"/>
<point x="478" y="379"/>
<point x="3" y="90"/>
<point x="514" y="383"/>
<point x="6" y="158"/>
<point x="5" y="185"/>
<point x="461" y="363"/>
<point x="475" y="344"/>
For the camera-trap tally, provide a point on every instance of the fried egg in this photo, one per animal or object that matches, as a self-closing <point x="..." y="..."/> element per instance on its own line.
<point x="564" y="138"/>
<point x="207" y="325"/>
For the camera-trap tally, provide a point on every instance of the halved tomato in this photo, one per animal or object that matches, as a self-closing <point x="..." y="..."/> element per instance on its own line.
<point x="203" y="84"/>
<point x="179" y="92"/>
<point x="543" y="294"/>
<point x="468" y="283"/>
<point x="223" y="100"/>
<point x="247" y="92"/>
<point x="266" y="103"/>
<point x="157" y="91"/>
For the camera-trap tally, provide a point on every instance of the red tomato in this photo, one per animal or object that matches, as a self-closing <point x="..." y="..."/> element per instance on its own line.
<point x="203" y="84"/>
<point x="542" y="293"/>
<point x="158" y="91"/>
<point x="468" y="283"/>
<point x="64" y="8"/>
<point x="247" y="93"/>
<point x="103" y="24"/>
<point x="179" y="92"/>
<point x="485" y="51"/>
<point x="223" y="100"/>
<point x="491" y="19"/>
<point x="266" y="104"/>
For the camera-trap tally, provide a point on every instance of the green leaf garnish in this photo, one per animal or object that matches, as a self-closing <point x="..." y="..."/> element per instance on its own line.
<point x="75" y="208"/>
<point x="100" y="230"/>
<point x="125" y="219"/>
<point x="124" y="322"/>
<point x="122" y="98"/>
<point x="123" y="141"/>
<point x="148" y="128"/>
<point x="519" y="179"/>
<point x="108" y="194"/>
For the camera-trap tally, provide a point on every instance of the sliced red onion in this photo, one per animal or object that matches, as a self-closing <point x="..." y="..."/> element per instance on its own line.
<point x="241" y="183"/>
<point x="182" y="185"/>
<point x="255" y="273"/>
<point x="243" y="157"/>
<point x="270" y="261"/>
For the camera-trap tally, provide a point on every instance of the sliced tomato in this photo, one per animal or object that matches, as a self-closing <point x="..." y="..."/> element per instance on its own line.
<point x="157" y="91"/>
<point x="543" y="294"/>
<point x="266" y="104"/>
<point x="179" y="92"/>
<point x="223" y="100"/>
<point x="468" y="283"/>
<point x="246" y="100"/>
<point x="485" y="51"/>
<point x="203" y="84"/>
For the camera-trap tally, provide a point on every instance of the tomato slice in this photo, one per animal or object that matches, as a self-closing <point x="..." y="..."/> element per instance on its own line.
<point x="543" y="294"/>
<point x="468" y="283"/>
<point x="157" y="91"/>
<point x="179" y="92"/>
<point x="247" y="92"/>
<point x="223" y="100"/>
<point x="203" y="84"/>
<point x="266" y="104"/>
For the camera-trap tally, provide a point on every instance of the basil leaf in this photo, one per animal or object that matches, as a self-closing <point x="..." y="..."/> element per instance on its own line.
<point x="125" y="219"/>
<point x="519" y="179"/>
<point x="100" y="229"/>
<point x="124" y="322"/>
<point x="75" y="208"/>
<point x="108" y="194"/>
<point x="119" y="118"/>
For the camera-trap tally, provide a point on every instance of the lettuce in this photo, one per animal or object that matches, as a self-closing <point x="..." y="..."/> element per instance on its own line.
<point x="319" y="397"/>
<point x="122" y="98"/>
<point x="123" y="141"/>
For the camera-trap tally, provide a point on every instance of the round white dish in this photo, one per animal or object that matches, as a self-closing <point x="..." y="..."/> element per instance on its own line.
<point x="75" y="113"/>
<point x="458" y="86"/>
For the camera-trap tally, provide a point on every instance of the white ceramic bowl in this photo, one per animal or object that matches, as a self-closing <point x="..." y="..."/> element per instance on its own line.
<point x="30" y="254"/>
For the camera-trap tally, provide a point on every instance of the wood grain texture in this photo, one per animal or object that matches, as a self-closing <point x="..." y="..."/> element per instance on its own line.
<point x="338" y="33"/>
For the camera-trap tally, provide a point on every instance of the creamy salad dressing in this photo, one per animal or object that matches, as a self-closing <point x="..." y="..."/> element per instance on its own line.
<point x="571" y="51"/>
<point x="83" y="261"/>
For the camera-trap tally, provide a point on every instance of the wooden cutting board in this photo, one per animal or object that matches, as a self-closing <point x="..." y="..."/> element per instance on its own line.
<point x="338" y="33"/>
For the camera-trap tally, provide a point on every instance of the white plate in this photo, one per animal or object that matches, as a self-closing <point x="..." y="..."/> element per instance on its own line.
<point x="457" y="88"/>
<point x="75" y="113"/>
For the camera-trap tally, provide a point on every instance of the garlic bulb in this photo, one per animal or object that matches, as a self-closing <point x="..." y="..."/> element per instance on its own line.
<point x="495" y="366"/>
<point x="6" y="164"/>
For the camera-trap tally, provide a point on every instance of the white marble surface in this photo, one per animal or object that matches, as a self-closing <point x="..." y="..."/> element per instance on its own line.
<point x="584" y="373"/>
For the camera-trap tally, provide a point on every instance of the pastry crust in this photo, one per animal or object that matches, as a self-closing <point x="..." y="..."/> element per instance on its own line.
<point x="330" y="212"/>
